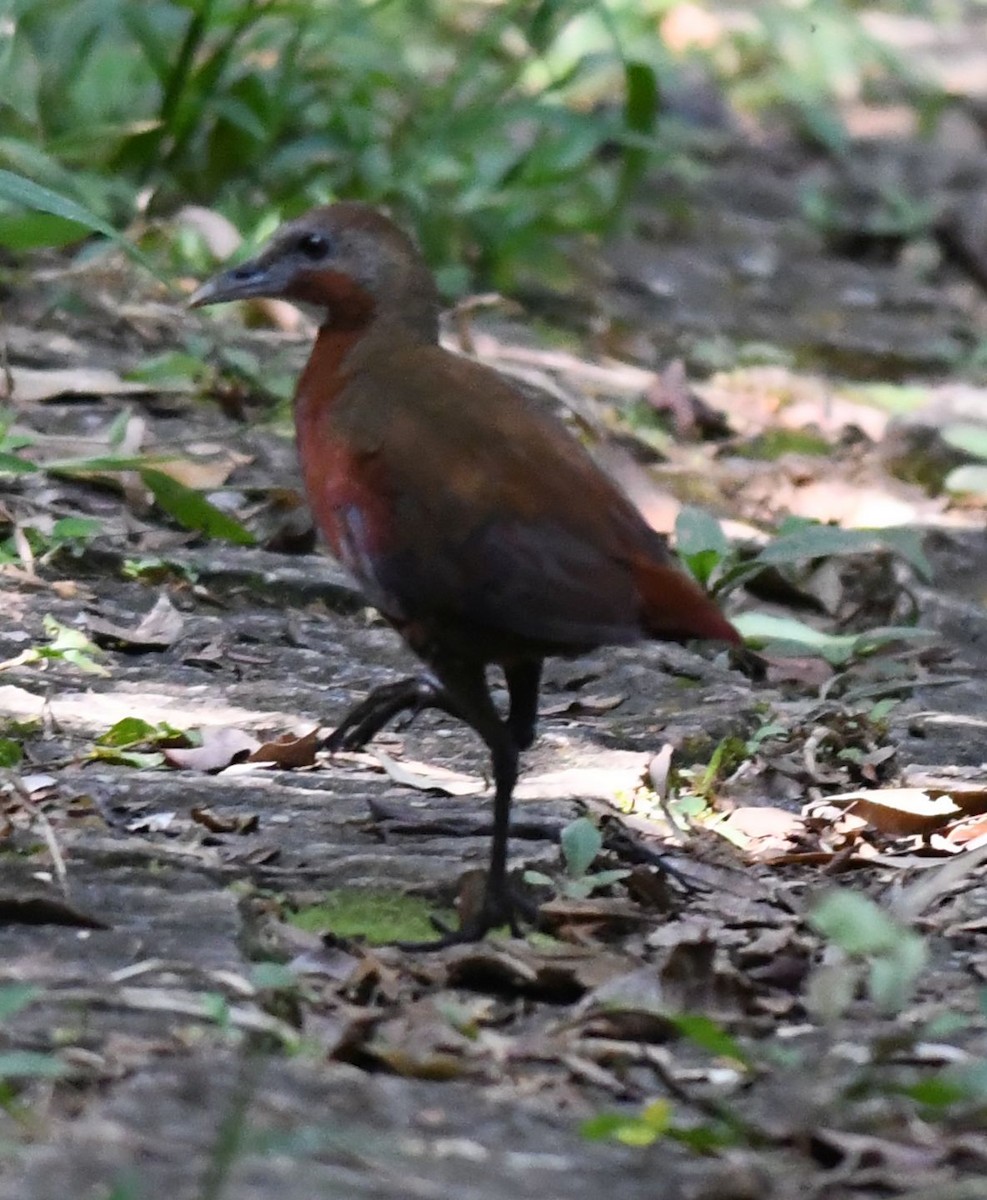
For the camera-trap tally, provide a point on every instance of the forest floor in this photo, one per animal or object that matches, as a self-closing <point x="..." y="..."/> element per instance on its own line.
<point x="796" y="1010"/>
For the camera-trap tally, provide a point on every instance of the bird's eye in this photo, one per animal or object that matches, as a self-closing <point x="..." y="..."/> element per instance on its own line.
<point x="314" y="245"/>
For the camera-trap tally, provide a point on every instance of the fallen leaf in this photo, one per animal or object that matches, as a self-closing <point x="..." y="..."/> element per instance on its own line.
<point x="763" y="832"/>
<point x="220" y="747"/>
<point x="30" y="386"/>
<point x="583" y="706"/>
<point x="158" y="630"/>
<point x="289" y="751"/>
<point x="428" y="778"/>
<point x="202" y="474"/>
<point x="241" y="823"/>
<point x="898" y="810"/>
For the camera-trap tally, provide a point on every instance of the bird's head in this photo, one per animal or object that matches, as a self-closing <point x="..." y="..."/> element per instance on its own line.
<point x="346" y="259"/>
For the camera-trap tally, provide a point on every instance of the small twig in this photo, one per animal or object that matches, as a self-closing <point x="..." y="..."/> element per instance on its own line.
<point x="24" y="796"/>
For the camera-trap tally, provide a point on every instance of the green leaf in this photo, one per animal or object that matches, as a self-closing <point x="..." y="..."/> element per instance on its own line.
<point x="696" y="532"/>
<point x="30" y="1064"/>
<point x="821" y="541"/>
<point x="856" y="924"/>
<point x="538" y="878"/>
<point x="10" y="464"/>
<point x="192" y="510"/>
<point x="273" y="976"/>
<point x="16" y="996"/>
<point x="967" y="480"/>
<point x="25" y="193"/>
<point x="35" y="231"/>
<point x="937" y="1091"/>
<point x="630" y="1130"/>
<point x="787" y="636"/>
<point x="581" y="842"/>
<point x="10" y="755"/>
<point x="971" y="439"/>
<point x="128" y="731"/>
<point x="706" y="1034"/>
<point x="893" y="976"/>
<point x="140" y="760"/>
<point x="602" y="879"/>
<point x="75" y="529"/>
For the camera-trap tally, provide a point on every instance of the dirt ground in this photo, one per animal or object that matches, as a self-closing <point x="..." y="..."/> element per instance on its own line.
<point x="186" y="1036"/>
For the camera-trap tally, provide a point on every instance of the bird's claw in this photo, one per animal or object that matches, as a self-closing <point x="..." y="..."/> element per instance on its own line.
<point x="407" y="696"/>
<point x="506" y="906"/>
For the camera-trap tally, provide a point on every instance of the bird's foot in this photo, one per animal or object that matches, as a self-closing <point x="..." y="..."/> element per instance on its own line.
<point x="504" y="905"/>
<point x="368" y="718"/>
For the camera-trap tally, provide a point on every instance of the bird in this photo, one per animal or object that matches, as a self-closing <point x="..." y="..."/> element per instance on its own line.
<point x="479" y="527"/>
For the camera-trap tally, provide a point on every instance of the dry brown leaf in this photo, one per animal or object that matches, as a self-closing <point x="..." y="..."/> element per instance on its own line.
<point x="429" y="778"/>
<point x="157" y="630"/>
<point x="219" y="748"/>
<point x="898" y="810"/>
<point x="602" y="782"/>
<point x="202" y="474"/>
<point x="583" y="706"/>
<point x="219" y="233"/>
<point x="239" y="823"/>
<point x="31" y="386"/>
<point x="764" y="832"/>
<point x="289" y="751"/>
<point x="421" y="1042"/>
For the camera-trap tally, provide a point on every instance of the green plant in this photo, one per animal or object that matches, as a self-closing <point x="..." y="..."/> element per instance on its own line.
<point x="581" y="842"/>
<point x="66" y="645"/>
<point x="706" y="552"/>
<point x="806" y="59"/>
<point x="869" y="949"/>
<point x="491" y="128"/>
<point x="186" y="505"/>
<point x="971" y="477"/>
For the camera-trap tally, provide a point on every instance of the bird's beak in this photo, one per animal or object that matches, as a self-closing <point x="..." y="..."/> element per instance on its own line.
<point x="249" y="280"/>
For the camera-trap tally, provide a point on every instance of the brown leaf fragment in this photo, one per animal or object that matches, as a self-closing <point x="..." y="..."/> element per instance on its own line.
<point x="559" y="973"/>
<point x="289" y="751"/>
<point x="586" y="706"/>
<point x="157" y="630"/>
<point x="430" y="778"/>
<point x="241" y="823"/>
<point x="421" y="1043"/>
<point x="563" y="914"/>
<point x="806" y="672"/>
<point x="258" y="857"/>
<point x="669" y="393"/>
<point x="220" y="747"/>
<point x="29" y="385"/>
<point x="765" y="832"/>
<point x="205" y="473"/>
<point x="970" y="833"/>
<point x="899" y="810"/>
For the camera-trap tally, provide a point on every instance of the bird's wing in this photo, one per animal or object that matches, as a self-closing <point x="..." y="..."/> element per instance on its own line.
<point x="486" y="511"/>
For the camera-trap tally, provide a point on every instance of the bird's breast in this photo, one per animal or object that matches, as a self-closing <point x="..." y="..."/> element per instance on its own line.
<point x="341" y="478"/>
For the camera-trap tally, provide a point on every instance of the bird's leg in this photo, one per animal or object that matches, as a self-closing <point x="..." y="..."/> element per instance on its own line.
<point x="369" y="717"/>
<point x="501" y="904"/>
<point x="523" y="680"/>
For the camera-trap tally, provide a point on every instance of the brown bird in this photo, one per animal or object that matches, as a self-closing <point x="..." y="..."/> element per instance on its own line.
<point x="475" y="523"/>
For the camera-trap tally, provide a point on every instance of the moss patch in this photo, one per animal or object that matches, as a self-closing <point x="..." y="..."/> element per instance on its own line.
<point x="377" y="915"/>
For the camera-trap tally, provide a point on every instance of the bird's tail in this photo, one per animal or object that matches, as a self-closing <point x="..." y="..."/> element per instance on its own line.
<point x="675" y="608"/>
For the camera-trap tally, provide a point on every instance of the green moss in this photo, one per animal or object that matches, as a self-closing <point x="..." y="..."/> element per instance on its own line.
<point x="776" y="442"/>
<point x="377" y="915"/>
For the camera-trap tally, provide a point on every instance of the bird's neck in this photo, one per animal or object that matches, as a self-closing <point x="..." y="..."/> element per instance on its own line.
<point x="339" y="355"/>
